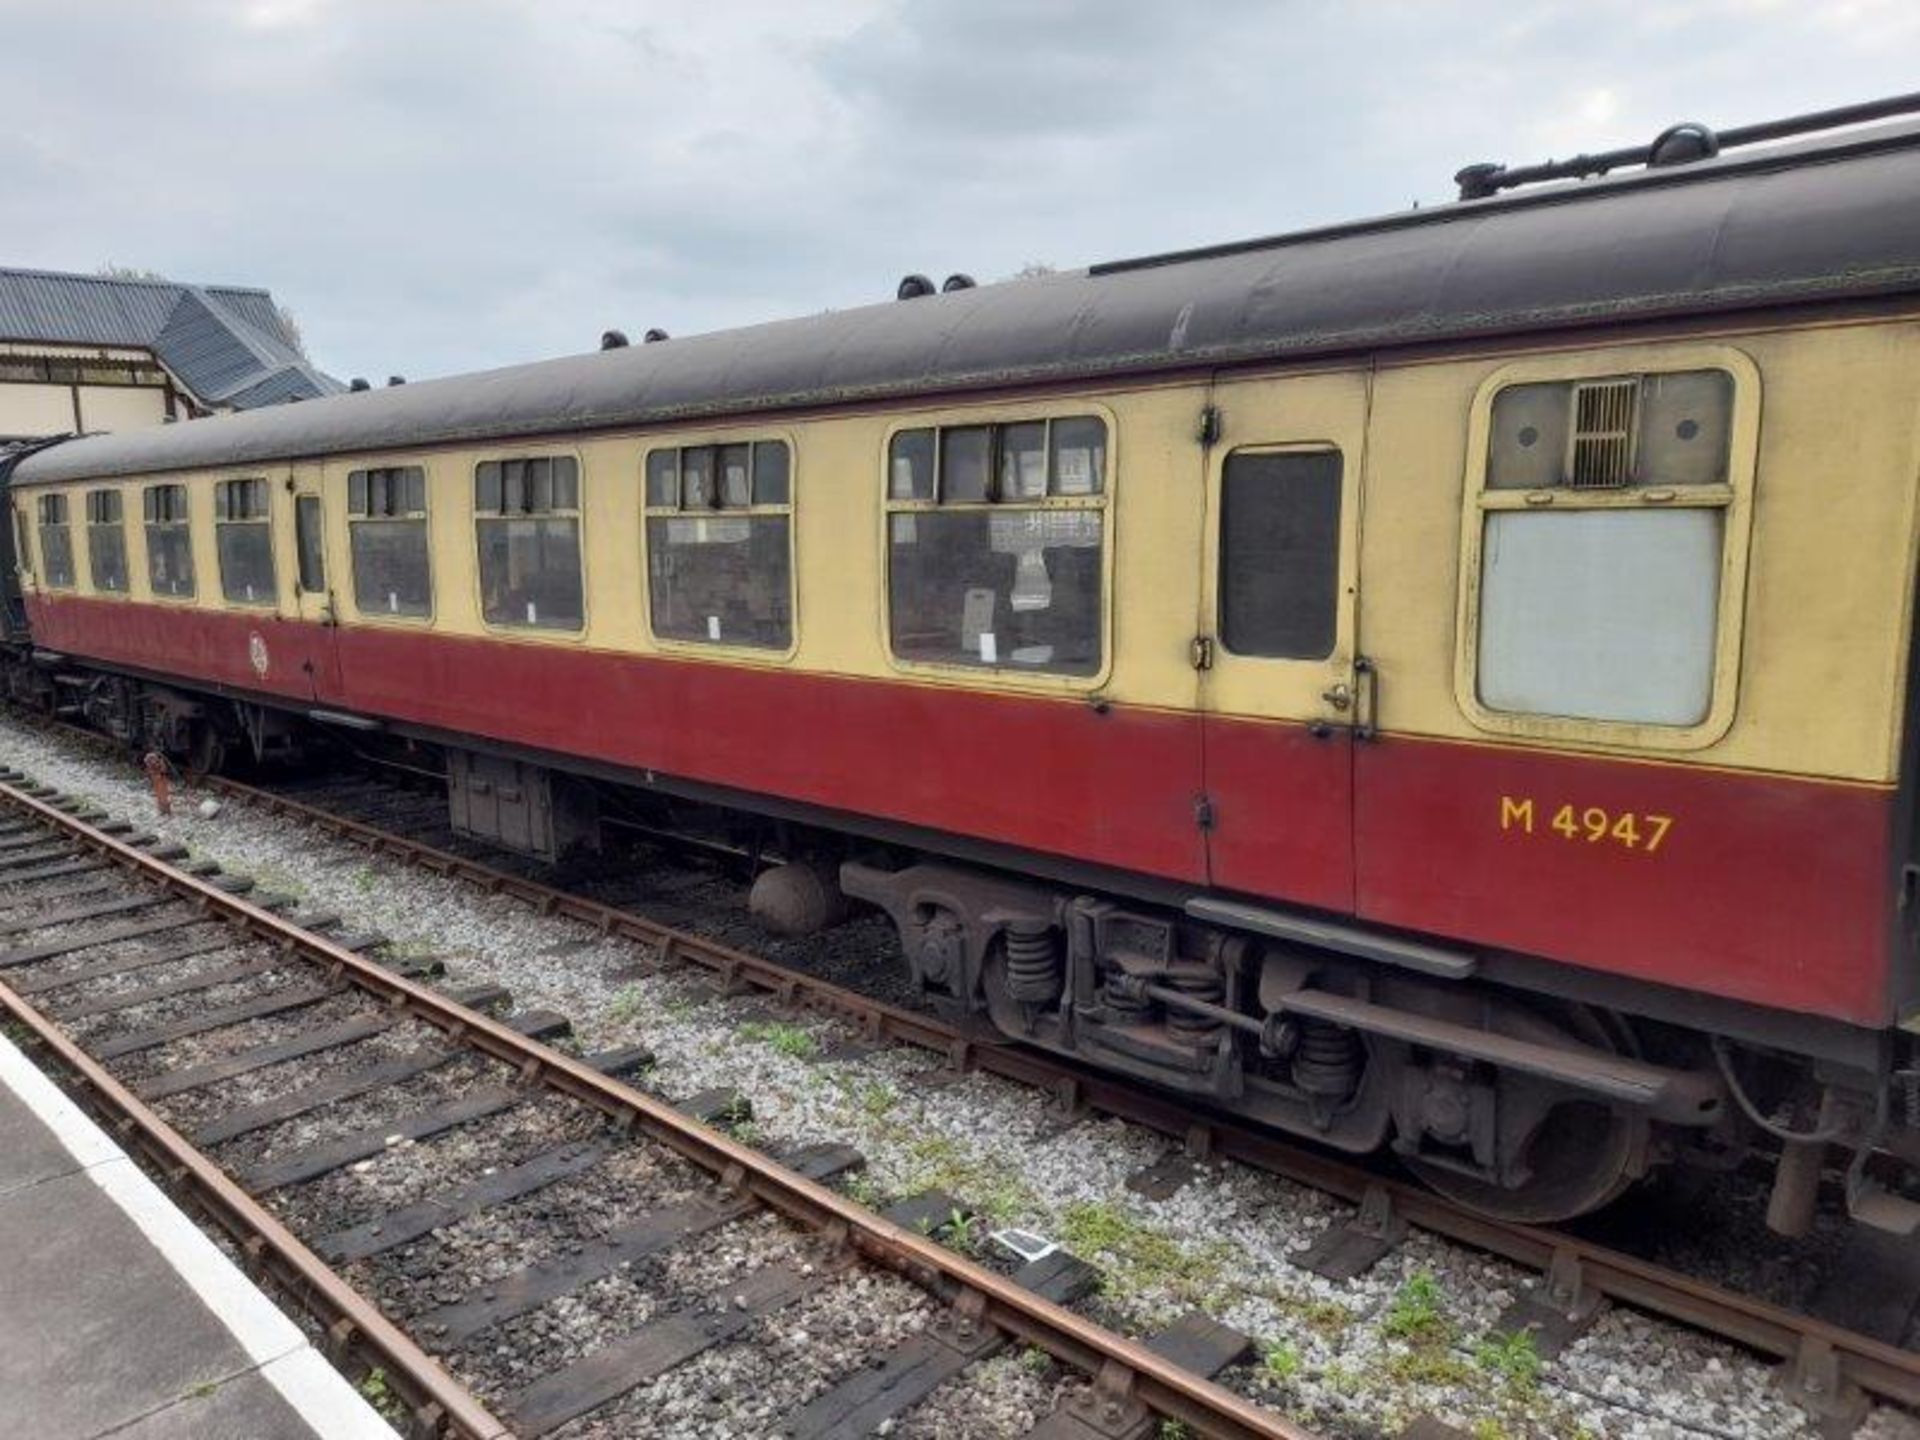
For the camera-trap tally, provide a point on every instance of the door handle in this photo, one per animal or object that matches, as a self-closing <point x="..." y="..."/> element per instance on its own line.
<point x="1339" y="695"/>
<point x="1366" y="720"/>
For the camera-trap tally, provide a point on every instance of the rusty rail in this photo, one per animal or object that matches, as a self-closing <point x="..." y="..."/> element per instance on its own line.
<point x="1161" y="1385"/>
<point x="438" y="1400"/>
<point x="1882" y="1370"/>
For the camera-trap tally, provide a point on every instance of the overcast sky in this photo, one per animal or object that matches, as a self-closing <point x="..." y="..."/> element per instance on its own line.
<point x="436" y="187"/>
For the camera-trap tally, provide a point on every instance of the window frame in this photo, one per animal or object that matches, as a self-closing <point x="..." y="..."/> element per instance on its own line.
<point x="43" y="572"/>
<point x="386" y="617"/>
<point x="730" y="651"/>
<point x="185" y="523"/>
<point x="125" y="592"/>
<point x="1734" y="499"/>
<point x="1102" y="502"/>
<point x="477" y="589"/>
<point x="265" y="518"/>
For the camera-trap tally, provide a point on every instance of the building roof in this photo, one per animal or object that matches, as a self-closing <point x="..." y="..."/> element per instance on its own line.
<point x="1835" y="220"/>
<point x="224" y="343"/>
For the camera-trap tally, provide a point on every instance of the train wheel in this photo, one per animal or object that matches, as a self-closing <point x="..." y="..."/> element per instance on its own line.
<point x="207" y="755"/>
<point x="1576" y="1155"/>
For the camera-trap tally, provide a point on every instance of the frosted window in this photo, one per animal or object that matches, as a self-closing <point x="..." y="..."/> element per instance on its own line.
<point x="1601" y="614"/>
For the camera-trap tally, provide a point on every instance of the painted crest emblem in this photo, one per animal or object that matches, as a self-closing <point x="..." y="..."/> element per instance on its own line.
<point x="257" y="654"/>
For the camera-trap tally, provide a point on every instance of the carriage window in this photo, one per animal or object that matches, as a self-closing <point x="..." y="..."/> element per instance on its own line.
<point x="1603" y="527"/>
<point x="56" y="543"/>
<point x="106" y="541"/>
<point x="387" y="533"/>
<point x="719" y="544"/>
<point x="527" y="527"/>
<point x="169" y="540"/>
<point x="996" y="537"/>
<point x="1280" y="553"/>
<point x="244" y="538"/>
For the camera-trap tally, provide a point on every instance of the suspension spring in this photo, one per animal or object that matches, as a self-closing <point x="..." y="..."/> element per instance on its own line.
<point x="1202" y="985"/>
<point x="1033" y="962"/>
<point x="1125" y="1001"/>
<point x="1329" y="1060"/>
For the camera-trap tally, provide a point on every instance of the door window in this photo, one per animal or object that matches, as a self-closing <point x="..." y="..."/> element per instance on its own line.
<point x="1280" y="553"/>
<point x="307" y="539"/>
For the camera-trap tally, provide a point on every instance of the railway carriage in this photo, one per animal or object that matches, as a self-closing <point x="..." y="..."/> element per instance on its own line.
<point x="1439" y="683"/>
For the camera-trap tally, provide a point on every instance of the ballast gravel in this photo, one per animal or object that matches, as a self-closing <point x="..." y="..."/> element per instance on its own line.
<point x="1411" y="1336"/>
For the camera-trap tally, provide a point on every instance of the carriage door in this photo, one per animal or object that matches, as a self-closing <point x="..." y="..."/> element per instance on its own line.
<point x="1281" y="692"/>
<point x="313" y="589"/>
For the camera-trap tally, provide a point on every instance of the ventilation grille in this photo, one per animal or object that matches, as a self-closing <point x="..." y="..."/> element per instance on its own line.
<point x="1603" y="429"/>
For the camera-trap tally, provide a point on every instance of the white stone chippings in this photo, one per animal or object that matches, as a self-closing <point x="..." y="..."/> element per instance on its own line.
<point x="1221" y="1241"/>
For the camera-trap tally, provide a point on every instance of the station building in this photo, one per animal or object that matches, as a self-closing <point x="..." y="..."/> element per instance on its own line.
<point x="90" y="352"/>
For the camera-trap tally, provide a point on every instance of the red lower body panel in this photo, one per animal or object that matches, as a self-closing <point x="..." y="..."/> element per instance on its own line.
<point x="1757" y="887"/>
<point x="1754" y="887"/>
<point x="1114" y="787"/>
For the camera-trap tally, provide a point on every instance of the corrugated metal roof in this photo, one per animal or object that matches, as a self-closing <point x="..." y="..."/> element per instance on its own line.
<point x="221" y="341"/>
<point x="1835" y="223"/>
<point x="292" y="383"/>
<point x="256" y="308"/>
<point x="83" y="309"/>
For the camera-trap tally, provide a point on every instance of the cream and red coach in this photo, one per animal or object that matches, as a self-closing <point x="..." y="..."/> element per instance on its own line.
<point x="1438" y="682"/>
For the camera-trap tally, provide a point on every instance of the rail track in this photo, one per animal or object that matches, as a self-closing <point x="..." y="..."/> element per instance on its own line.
<point x="1826" y="1367"/>
<point x="267" y="1065"/>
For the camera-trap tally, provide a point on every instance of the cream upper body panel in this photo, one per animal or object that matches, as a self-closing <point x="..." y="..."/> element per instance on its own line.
<point x="1153" y="511"/>
<point x="1817" y="648"/>
<point x="1819" y="657"/>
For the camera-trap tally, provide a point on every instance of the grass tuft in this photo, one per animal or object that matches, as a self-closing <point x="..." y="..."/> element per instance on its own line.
<point x="1513" y="1358"/>
<point x="1281" y="1361"/>
<point x="1140" y="1257"/>
<point x="1415" y="1312"/>
<point x="784" y="1038"/>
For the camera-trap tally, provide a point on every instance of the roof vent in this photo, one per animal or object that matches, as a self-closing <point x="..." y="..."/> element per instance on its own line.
<point x="912" y="287"/>
<point x="1480" y="180"/>
<point x="1604" y="415"/>
<point x="613" y="340"/>
<point x="655" y="336"/>
<point x="957" y="281"/>
<point x="1683" y="144"/>
<point x="396" y="380"/>
<point x="359" y="382"/>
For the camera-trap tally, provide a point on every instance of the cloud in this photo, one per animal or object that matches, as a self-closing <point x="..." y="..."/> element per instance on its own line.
<point x="437" y="187"/>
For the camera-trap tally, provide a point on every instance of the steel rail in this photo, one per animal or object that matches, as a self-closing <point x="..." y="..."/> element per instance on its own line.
<point x="438" y="1400"/>
<point x="980" y="1294"/>
<point x="1880" y="1369"/>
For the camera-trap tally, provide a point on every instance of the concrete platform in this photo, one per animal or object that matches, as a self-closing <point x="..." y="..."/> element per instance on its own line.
<point x="118" y="1317"/>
